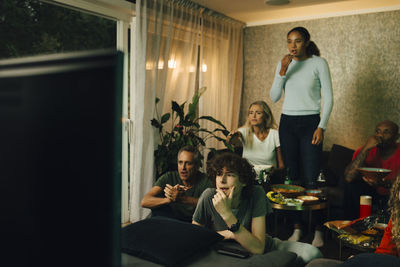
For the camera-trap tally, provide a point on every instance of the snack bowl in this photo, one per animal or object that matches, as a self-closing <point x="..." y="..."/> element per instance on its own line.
<point x="380" y="226"/>
<point x="314" y="192"/>
<point x="294" y="202"/>
<point x="374" y="173"/>
<point x="288" y="190"/>
<point x="308" y="199"/>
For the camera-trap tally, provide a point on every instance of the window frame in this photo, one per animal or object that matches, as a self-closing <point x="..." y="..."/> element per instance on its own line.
<point x="123" y="12"/>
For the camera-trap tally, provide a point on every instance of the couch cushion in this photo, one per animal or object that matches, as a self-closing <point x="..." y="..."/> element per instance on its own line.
<point x="372" y="260"/>
<point x="339" y="158"/>
<point x="166" y="241"/>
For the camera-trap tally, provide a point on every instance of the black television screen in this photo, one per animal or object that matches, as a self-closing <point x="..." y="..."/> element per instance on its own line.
<point x="60" y="159"/>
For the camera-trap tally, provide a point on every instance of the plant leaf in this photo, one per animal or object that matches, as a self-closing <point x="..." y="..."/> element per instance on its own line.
<point x="179" y="110"/>
<point x="209" y="118"/>
<point x="223" y="131"/>
<point x="155" y="123"/>
<point x="165" y="118"/>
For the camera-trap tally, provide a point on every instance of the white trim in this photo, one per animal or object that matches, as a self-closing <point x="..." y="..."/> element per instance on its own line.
<point x="123" y="12"/>
<point x="122" y="44"/>
<point x="113" y="9"/>
<point x="322" y="16"/>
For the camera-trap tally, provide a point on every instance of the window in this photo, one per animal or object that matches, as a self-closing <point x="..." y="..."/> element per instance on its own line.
<point x="31" y="27"/>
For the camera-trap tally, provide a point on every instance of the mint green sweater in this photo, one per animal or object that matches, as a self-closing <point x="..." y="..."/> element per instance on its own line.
<point x="303" y="85"/>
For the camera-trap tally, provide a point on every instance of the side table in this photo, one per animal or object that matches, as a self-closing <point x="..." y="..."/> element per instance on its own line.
<point x="319" y="205"/>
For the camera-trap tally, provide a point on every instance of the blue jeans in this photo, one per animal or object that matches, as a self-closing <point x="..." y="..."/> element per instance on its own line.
<point x="299" y="155"/>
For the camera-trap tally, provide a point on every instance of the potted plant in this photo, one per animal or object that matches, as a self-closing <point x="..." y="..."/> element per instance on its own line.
<point x="184" y="129"/>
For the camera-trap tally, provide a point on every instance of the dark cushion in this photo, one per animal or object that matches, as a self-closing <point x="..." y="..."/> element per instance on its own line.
<point x="372" y="260"/>
<point x="166" y="241"/>
<point x="339" y="158"/>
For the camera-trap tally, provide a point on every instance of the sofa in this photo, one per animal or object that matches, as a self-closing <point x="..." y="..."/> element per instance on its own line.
<point x="161" y="241"/>
<point x="334" y="163"/>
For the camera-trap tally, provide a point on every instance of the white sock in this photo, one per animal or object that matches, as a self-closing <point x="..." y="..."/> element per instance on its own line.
<point x="318" y="239"/>
<point x="296" y="235"/>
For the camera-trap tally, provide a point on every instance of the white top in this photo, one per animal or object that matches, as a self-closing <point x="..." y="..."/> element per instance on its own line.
<point x="261" y="152"/>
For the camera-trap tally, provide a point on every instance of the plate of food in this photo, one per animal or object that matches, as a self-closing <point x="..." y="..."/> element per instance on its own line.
<point x="313" y="192"/>
<point x="376" y="174"/>
<point x="380" y="226"/>
<point x="308" y="199"/>
<point x="294" y="202"/>
<point x="288" y="190"/>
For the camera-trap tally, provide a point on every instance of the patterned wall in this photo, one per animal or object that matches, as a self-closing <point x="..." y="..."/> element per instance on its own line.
<point x="363" y="53"/>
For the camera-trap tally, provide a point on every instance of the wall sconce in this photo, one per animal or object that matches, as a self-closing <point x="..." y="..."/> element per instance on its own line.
<point x="149" y="65"/>
<point x="160" y="65"/>
<point x="204" y="68"/>
<point x="172" y="64"/>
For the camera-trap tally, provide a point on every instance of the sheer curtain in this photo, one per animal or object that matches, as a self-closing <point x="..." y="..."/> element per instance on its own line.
<point x="170" y="36"/>
<point x="166" y="50"/>
<point x="222" y="71"/>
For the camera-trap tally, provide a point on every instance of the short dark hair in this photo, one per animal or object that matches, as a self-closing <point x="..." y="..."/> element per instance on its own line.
<point x="235" y="163"/>
<point x="196" y="153"/>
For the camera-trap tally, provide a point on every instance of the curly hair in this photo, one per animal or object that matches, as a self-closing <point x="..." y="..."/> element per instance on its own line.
<point x="268" y="121"/>
<point x="234" y="163"/>
<point x="394" y="208"/>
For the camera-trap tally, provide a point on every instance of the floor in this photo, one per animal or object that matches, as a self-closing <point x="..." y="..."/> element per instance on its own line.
<point x="329" y="250"/>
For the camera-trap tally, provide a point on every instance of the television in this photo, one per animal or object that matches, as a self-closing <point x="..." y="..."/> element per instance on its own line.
<point x="60" y="159"/>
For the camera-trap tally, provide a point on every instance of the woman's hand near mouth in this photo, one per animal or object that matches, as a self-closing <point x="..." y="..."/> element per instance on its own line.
<point x="285" y="64"/>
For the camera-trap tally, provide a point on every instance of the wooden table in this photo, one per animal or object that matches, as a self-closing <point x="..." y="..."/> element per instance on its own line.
<point x="319" y="205"/>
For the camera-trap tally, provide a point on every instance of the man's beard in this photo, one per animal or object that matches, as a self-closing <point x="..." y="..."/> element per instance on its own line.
<point x="384" y="145"/>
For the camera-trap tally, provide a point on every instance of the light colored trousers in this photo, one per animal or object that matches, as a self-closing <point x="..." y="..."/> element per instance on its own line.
<point x="305" y="252"/>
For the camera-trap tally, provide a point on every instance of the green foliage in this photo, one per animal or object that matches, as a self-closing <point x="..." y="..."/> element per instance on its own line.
<point x="30" y="27"/>
<point x="185" y="130"/>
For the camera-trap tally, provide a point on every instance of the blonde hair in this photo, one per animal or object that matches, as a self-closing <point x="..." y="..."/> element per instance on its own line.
<point x="394" y="208"/>
<point x="268" y="122"/>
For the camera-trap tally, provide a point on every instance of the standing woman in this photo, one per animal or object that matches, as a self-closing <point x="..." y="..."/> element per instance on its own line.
<point x="304" y="77"/>
<point x="260" y="141"/>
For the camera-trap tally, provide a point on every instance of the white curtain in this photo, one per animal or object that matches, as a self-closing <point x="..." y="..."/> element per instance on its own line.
<point x="222" y="73"/>
<point x="168" y="40"/>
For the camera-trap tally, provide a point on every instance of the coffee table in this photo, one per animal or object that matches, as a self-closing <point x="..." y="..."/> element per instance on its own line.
<point x="369" y="246"/>
<point x="318" y="205"/>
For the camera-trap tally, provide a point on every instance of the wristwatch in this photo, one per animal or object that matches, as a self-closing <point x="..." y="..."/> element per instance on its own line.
<point x="234" y="227"/>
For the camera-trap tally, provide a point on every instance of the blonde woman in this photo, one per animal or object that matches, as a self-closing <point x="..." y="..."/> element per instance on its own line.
<point x="258" y="137"/>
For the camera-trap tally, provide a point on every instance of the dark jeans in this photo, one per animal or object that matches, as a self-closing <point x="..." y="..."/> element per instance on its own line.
<point x="295" y="134"/>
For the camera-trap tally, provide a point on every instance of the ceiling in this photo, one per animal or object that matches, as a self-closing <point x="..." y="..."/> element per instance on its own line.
<point x="256" y="12"/>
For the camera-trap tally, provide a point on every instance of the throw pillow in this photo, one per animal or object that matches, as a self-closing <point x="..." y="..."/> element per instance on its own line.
<point x="166" y="241"/>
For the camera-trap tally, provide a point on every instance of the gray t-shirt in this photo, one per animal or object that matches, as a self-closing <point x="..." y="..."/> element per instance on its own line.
<point x="172" y="178"/>
<point x="255" y="206"/>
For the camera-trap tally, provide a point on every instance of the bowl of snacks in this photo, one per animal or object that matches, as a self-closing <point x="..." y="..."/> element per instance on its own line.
<point x="288" y="190"/>
<point x="313" y="192"/>
<point x="308" y="199"/>
<point x="376" y="174"/>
